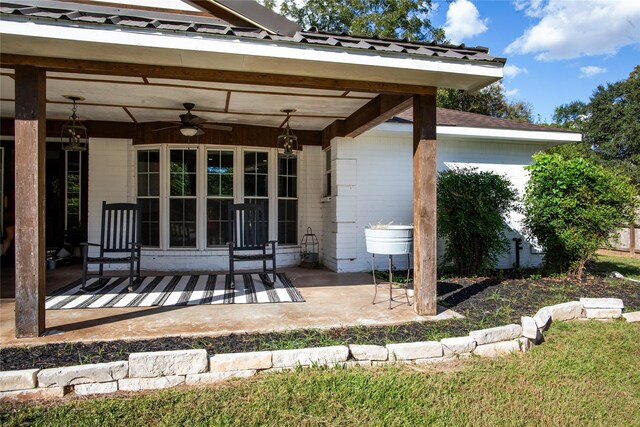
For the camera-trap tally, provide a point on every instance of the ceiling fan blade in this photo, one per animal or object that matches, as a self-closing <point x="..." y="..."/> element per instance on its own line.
<point x="200" y="132"/>
<point x="216" y="127"/>
<point x="195" y="120"/>
<point x="165" y="128"/>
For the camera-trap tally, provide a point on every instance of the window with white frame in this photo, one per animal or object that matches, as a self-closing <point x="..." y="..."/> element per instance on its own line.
<point x="148" y="167"/>
<point x="183" y="179"/>
<point x="219" y="195"/>
<point x="287" y="201"/>
<point x="256" y="179"/>
<point x="185" y="193"/>
<point x="73" y="190"/>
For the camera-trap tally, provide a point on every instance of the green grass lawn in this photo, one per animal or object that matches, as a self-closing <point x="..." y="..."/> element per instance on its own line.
<point x="605" y="264"/>
<point x="585" y="374"/>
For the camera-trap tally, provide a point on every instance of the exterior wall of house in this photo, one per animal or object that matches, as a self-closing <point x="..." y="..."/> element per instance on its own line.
<point x="378" y="168"/>
<point x="112" y="177"/>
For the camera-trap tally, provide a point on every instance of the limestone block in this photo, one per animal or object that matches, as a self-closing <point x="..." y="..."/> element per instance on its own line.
<point x="497" y="348"/>
<point x="632" y="317"/>
<point x="82" y="374"/>
<point x="566" y="311"/>
<point x="603" y="313"/>
<point x="310" y="356"/>
<point x="602" y="303"/>
<point x="33" y="393"/>
<point x="216" y="377"/>
<point x="240" y="361"/>
<point x="530" y="329"/>
<point x="415" y="350"/>
<point x="136" y="384"/>
<point x="368" y="352"/>
<point x="543" y="318"/>
<point x="500" y="333"/>
<point x="18" y="380"/>
<point x="458" y="345"/>
<point x="167" y="363"/>
<point x="96" y="388"/>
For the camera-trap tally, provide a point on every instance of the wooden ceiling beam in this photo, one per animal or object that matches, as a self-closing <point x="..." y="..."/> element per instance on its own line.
<point x="377" y="111"/>
<point x="208" y="75"/>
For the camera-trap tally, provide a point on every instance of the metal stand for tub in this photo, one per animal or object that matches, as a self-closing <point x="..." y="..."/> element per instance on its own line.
<point x="390" y="282"/>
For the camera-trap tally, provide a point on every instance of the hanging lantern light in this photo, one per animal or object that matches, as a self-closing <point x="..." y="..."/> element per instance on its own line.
<point x="74" y="133"/>
<point x="288" y="142"/>
<point x="309" y="250"/>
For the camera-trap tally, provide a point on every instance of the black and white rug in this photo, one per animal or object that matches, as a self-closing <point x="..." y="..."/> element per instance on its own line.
<point x="175" y="291"/>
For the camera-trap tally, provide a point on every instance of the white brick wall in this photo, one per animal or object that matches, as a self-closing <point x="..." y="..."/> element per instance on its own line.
<point x="384" y="187"/>
<point x="110" y="173"/>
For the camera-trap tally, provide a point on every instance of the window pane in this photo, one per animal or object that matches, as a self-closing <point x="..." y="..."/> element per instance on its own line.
<point x="217" y="221"/>
<point x="256" y="169"/>
<point x="249" y="185"/>
<point x="143" y="184"/>
<point x="287" y="221"/>
<point x="182" y="223"/>
<point x="219" y="173"/>
<point x="150" y="222"/>
<point x="182" y="171"/>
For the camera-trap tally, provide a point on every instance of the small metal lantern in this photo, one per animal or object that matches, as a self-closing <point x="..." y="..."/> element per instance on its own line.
<point x="74" y="133"/>
<point x="309" y="250"/>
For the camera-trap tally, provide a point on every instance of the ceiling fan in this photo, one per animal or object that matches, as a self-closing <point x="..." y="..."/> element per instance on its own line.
<point x="192" y="125"/>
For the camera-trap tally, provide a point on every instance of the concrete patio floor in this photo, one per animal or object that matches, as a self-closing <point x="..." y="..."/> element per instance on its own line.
<point x="332" y="300"/>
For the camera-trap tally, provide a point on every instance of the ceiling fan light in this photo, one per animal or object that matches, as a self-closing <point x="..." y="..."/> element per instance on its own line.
<point x="189" y="130"/>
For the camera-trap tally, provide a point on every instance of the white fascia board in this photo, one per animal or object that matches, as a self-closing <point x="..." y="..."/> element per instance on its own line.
<point x="486" y="133"/>
<point x="21" y="33"/>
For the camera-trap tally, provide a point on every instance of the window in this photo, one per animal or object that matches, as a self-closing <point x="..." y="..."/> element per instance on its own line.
<point x="182" y="198"/>
<point x="219" y="195"/>
<point x="256" y="179"/>
<point x="287" y="201"/>
<point x="185" y="193"/>
<point x="327" y="172"/>
<point x="149" y="196"/>
<point x="72" y="190"/>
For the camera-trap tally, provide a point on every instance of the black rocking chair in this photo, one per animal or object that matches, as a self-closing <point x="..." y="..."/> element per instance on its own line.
<point x="119" y="244"/>
<point x="248" y="232"/>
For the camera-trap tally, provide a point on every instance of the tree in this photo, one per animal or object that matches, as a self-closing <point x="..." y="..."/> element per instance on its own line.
<point x="572" y="206"/>
<point x="613" y="128"/>
<point x="571" y="116"/>
<point x="490" y="101"/>
<point x="610" y="123"/>
<point x="385" y="18"/>
<point x="472" y="207"/>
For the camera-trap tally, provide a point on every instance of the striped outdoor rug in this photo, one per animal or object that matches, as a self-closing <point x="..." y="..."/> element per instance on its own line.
<point x="176" y="290"/>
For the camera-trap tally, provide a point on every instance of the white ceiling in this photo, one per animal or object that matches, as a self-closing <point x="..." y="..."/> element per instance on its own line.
<point x="129" y="99"/>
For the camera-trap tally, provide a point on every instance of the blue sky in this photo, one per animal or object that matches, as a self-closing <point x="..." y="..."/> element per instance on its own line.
<point x="557" y="51"/>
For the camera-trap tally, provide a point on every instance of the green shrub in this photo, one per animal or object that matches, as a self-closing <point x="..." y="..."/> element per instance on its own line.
<point x="472" y="207"/>
<point x="572" y="206"/>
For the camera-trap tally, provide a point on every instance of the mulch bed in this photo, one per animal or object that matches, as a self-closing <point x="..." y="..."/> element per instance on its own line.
<point x="485" y="302"/>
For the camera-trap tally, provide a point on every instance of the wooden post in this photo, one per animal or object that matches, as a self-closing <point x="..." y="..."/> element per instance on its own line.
<point x="30" y="156"/>
<point x="425" y="258"/>
<point x="632" y="239"/>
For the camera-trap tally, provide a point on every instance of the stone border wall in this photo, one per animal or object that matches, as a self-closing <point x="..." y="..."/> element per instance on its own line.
<point x="165" y="369"/>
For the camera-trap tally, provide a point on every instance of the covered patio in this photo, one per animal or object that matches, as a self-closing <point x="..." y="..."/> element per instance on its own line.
<point x="332" y="300"/>
<point x="135" y="69"/>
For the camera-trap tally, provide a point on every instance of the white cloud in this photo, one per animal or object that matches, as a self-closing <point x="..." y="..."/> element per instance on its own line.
<point x="571" y="29"/>
<point x="511" y="93"/>
<point x="463" y="21"/>
<point x="511" y="71"/>
<point x="590" y="71"/>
